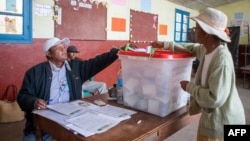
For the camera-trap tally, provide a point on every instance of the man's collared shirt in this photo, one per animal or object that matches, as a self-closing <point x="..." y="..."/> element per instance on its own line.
<point x="59" y="90"/>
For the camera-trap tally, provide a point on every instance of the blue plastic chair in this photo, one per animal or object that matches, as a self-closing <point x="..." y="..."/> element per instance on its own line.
<point x="86" y="93"/>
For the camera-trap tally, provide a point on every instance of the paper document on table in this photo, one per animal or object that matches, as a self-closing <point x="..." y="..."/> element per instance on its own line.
<point x="60" y="118"/>
<point x="84" y="104"/>
<point x="65" y="108"/>
<point x="71" y="108"/>
<point x="78" y="130"/>
<point x="93" y="122"/>
<point x="52" y="115"/>
<point x="89" y="118"/>
<point x="114" y="111"/>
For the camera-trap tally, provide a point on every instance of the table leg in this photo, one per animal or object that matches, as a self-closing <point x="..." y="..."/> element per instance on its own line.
<point x="38" y="130"/>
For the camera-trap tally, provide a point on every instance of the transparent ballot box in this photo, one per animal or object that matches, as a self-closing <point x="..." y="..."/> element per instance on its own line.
<point x="151" y="82"/>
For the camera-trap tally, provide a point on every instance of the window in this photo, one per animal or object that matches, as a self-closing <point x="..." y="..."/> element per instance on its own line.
<point x="181" y="25"/>
<point x="15" y="21"/>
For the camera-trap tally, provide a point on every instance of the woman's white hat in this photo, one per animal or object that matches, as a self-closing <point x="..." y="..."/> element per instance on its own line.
<point x="213" y="22"/>
<point x="53" y="42"/>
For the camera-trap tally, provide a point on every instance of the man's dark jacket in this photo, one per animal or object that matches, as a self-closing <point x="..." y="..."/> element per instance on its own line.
<point x="37" y="81"/>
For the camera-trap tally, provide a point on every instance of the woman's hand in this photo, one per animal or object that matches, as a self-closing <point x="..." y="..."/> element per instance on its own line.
<point x="184" y="84"/>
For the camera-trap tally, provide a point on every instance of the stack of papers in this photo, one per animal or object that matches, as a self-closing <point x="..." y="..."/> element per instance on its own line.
<point x="85" y="118"/>
<point x="93" y="122"/>
<point x="114" y="111"/>
<point x="65" y="108"/>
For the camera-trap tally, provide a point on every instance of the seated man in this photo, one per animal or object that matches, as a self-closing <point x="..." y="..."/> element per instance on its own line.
<point x="90" y="86"/>
<point x="95" y="87"/>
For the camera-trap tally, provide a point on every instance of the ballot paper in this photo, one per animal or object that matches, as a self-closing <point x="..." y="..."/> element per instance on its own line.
<point x="89" y="120"/>
<point x="65" y="108"/>
<point x="137" y="49"/>
<point x="115" y="111"/>
<point x="61" y="118"/>
<point x="93" y="122"/>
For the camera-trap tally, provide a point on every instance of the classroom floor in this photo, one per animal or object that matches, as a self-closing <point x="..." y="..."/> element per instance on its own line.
<point x="13" y="131"/>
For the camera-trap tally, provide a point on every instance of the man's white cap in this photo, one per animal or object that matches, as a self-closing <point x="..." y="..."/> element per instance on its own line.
<point x="53" y="42"/>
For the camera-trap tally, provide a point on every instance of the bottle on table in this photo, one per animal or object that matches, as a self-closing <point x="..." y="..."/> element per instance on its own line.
<point x="119" y="93"/>
<point x="113" y="91"/>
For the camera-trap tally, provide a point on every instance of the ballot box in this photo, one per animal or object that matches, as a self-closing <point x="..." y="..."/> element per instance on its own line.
<point x="151" y="82"/>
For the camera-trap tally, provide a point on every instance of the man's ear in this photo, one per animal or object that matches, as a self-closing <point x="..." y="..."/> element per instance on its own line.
<point x="48" y="54"/>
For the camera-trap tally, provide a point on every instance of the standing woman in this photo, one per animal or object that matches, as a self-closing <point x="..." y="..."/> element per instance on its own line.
<point x="213" y="93"/>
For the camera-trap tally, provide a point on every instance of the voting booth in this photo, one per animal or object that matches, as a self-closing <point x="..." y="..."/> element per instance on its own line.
<point x="151" y="82"/>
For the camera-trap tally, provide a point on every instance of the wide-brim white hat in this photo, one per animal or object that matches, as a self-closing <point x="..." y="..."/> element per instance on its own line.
<point x="53" y="42"/>
<point x="213" y="22"/>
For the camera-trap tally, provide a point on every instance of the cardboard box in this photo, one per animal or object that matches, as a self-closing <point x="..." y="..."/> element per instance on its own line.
<point x="151" y="83"/>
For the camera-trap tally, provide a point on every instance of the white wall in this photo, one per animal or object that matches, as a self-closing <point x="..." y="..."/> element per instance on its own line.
<point x="166" y="13"/>
<point x="238" y="7"/>
<point x="43" y="27"/>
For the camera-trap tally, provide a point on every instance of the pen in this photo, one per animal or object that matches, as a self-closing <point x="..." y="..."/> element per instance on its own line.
<point x="48" y="101"/>
<point x="122" y="115"/>
<point x="103" y="127"/>
<point x="72" y="131"/>
<point x="75" y="111"/>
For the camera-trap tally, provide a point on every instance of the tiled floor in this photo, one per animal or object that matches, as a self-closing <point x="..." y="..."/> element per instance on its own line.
<point x="13" y="131"/>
